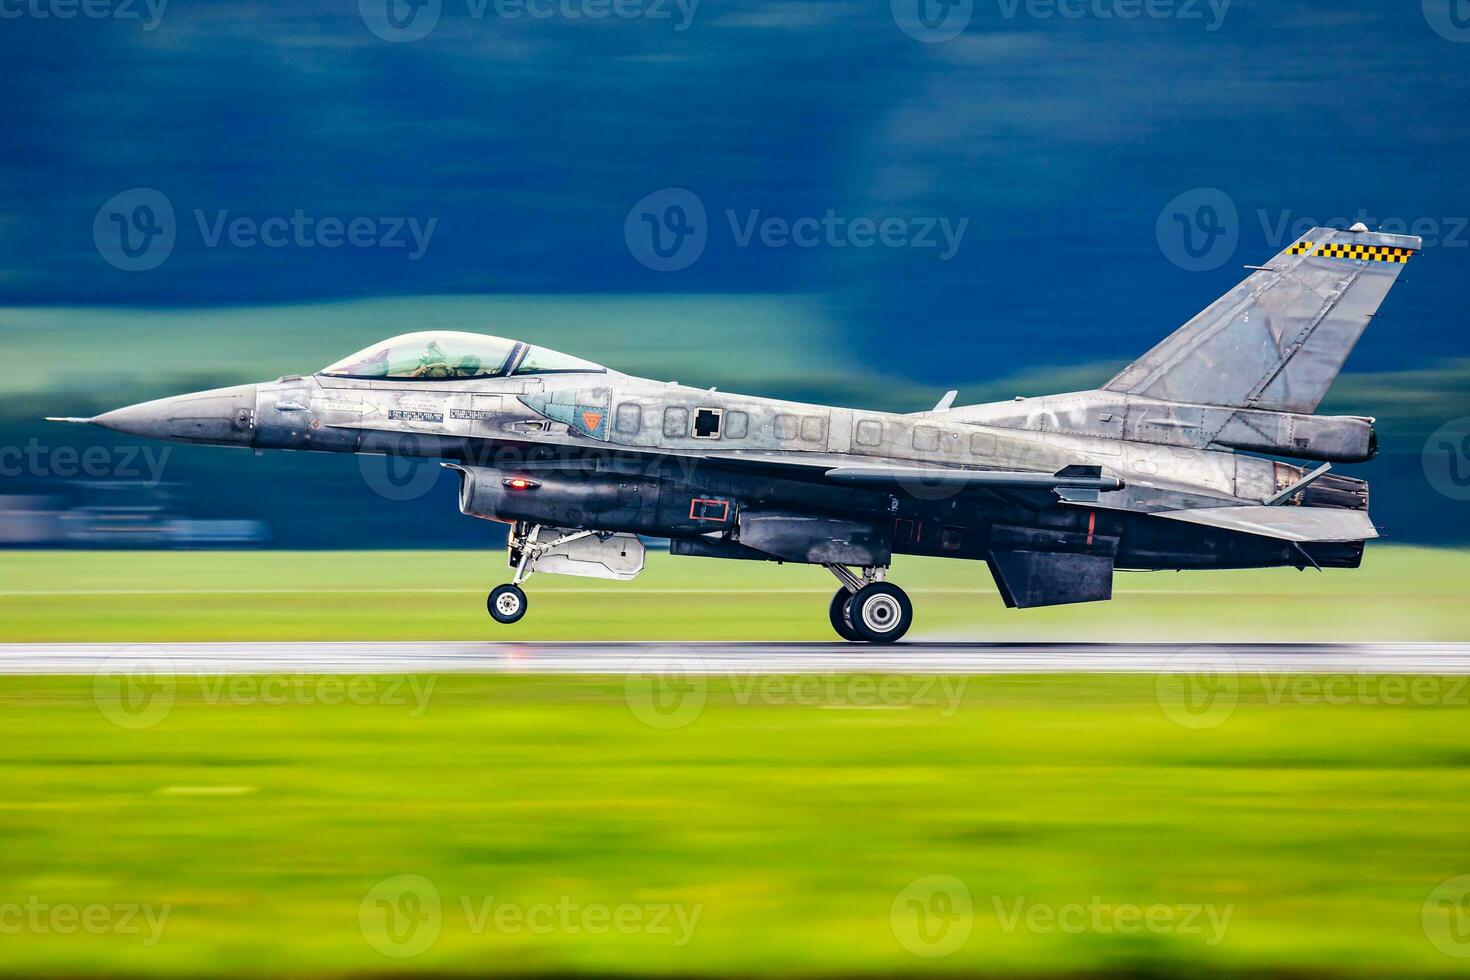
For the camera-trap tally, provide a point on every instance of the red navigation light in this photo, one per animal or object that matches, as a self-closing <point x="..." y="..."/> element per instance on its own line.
<point x="520" y="483"/>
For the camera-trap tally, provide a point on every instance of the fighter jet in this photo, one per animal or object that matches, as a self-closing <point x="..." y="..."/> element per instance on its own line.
<point x="1172" y="464"/>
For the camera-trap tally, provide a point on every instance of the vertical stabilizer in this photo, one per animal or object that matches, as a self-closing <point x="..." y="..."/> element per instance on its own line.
<point x="1277" y="340"/>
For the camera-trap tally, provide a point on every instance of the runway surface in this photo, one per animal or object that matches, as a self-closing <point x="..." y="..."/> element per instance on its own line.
<point x="731" y="658"/>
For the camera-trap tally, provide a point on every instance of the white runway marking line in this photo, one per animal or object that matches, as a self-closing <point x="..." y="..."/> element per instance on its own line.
<point x="729" y="659"/>
<point x="458" y="591"/>
<point x="573" y="590"/>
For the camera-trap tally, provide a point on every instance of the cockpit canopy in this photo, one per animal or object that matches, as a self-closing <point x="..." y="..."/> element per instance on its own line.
<point x="437" y="355"/>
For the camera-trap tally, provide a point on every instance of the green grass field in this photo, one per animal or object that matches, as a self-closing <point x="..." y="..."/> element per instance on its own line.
<point x="1399" y="594"/>
<point x="820" y="825"/>
<point x="779" y="830"/>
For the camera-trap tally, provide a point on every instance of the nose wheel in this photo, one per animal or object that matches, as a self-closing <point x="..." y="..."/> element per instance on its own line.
<point x="867" y="609"/>
<point x="506" y="603"/>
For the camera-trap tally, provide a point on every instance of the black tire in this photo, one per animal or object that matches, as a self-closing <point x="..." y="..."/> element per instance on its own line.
<point x="506" y="603"/>
<point x="838" y="614"/>
<point x="880" y="612"/>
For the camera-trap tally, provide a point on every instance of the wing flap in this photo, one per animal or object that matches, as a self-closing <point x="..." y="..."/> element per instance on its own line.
<point x="1301" y="524"/>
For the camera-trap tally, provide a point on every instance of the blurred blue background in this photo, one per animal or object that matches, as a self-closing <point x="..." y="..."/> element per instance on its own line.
<point x="200" y="193"/>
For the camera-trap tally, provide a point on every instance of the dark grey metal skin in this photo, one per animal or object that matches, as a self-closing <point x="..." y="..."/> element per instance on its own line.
<point x="1053" y="493"/>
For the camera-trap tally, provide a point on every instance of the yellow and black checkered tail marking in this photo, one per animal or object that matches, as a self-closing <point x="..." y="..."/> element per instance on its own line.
<point x="1360" y="253"/>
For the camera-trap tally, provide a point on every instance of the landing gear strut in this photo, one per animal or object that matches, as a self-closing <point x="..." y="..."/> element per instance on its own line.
<point x="868" y="608"/>
<point x="507" y="603"/>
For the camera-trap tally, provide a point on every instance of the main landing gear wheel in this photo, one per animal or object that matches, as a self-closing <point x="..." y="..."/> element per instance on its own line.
<point x="838" y="613"/>
<point x="507" y="603"/>
<point x="879" y="612"/>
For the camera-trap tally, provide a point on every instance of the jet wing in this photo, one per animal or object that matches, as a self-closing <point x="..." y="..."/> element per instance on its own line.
<point x="1077" y="483"/>
<point x="1302" y="524"/>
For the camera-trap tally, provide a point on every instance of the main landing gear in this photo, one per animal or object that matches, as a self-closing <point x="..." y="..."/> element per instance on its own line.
<point x="507" y="603"/>
<point x="867" y="608"/>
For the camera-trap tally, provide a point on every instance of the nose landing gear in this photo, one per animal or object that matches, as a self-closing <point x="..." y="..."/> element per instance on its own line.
<point x="507" y="603"/>
<point x="868" y="609"/>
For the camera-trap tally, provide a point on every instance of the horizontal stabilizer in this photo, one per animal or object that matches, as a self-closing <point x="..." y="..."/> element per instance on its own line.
<point x="1301" y="524"/>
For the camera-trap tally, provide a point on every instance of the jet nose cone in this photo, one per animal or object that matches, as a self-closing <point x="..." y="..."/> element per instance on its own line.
<point x="223" y="416"/>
